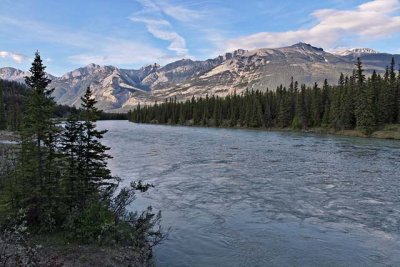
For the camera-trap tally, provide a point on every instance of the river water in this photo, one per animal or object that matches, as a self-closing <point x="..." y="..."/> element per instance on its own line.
<point x="255" y="198"/>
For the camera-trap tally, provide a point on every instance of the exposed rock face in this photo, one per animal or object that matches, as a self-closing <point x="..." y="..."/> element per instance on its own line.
<point x="356" y="52"/>
<point x="12" y="74"/>
<point x="122" y="89"/>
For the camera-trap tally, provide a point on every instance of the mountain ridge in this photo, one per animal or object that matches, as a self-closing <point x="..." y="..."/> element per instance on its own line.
<point x="119" y="89"/>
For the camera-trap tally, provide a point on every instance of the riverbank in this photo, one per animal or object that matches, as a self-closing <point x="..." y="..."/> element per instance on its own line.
<point x="50" y="254"/>
<point x="390" y="131"/>
<point x="54" y="250"/>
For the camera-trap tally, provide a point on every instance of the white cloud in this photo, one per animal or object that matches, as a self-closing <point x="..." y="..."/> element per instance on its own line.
<point x="386" y="6"/>
<point x="181" y="13"/>
<point x="371" y="20"/>
<point x="178" y="12"/>
<point x="153" y="15"/>
<point x="17" y="57"/>
<point x="95" y="48"/>
<point x="161" y="29"/>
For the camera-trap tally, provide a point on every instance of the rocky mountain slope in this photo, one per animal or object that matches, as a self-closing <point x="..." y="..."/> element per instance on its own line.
<point x="13" y="74"/>
<point x="122" y="89"/>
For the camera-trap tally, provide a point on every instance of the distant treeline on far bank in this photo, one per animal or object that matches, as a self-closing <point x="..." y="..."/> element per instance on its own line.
<point x="356" y="102"/>
<point x="13" y="99"/>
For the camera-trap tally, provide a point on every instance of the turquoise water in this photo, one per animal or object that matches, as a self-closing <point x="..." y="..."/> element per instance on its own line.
<point x="255" y="198"/>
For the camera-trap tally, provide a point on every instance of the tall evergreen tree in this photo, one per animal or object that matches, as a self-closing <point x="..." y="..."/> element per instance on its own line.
<point x="3" y="120"/>
<point x="393" y="92"/>
<point x="326" y="101"/>
<point x="316" y="106"/>
<point x="284" y="115"/>
<point x="398" y="96"/>
<point x="36" y="174"/>
<point x="268" y="119"/>
<point x="364" y="111"/>
<point x="96" y="176"/>
<point x="301" y="111"/>
<point x="72" y="147"/>
<point x="336" y="104"/>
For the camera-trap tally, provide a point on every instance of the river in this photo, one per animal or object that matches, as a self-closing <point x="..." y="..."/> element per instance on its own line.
<point x="255" y="198"/>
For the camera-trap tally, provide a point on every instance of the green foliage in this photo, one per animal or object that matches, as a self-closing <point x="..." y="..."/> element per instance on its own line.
<point x="36" y="177"/>
<point x="111" y="223"/>
<point x="365" y="113"/>
<point x="90" y="224"/>
<point x="61" y="182"/>
<point x="296" y="123"/>
<point x="3" y="121"/>
<point x="12" y="104"/>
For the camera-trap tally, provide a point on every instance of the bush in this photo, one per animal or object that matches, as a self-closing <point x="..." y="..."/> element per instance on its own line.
<point x="296" y="123"/>
<point x="87" y="225"/>
<point x="109" y="223"/>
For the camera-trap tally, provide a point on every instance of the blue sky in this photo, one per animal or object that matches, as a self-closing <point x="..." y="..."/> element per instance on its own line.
<point x="132" y="33"/>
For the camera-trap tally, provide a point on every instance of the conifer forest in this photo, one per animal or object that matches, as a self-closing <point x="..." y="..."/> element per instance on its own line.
<point x="356" y="102"/>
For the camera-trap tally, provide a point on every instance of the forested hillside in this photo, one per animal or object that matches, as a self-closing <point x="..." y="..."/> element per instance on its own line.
<point x="356" y="102"/>
<point x="13" y="97"/>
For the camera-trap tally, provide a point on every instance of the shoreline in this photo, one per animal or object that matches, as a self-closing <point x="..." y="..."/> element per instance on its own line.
<point x="379" y="134"/>
<point x="388" y="132"/>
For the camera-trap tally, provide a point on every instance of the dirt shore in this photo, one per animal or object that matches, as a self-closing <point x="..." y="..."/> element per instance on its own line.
<point x="49" y="255"/>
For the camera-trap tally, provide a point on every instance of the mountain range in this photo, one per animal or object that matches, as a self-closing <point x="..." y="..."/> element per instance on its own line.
<point x="122" y="89"/>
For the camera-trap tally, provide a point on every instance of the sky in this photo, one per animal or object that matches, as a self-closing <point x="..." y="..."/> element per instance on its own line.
<point x="134" y="33"/>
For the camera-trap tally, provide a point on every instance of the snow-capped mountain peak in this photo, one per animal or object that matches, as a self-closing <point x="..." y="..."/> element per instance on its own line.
<point x="356" y="51"/>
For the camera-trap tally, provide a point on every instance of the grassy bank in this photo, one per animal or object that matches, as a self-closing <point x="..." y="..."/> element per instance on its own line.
<point x="389" y="131"/>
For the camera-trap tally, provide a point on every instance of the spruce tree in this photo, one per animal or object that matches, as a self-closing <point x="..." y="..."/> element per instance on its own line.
<point x="72" y="147"/>
<point x="3" y="119"/>
<point x="398" y="96"/>
<point x="334" y="112"/>
<point x="268" y="120"/>
<point x="284" y="116"/>
<point x="36" y="175"/>
<point x="326" y="101"/>
<point x="301" y="111"/>
<point x="365" y="118"/>
<point x="97" y="179"/>
<point x="393" y="92"/>
<point x="316" y="106"/>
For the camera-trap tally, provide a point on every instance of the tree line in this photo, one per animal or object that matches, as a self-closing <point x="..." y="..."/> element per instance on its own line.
<point x="13" y="100"/>
<point x="12" y="96"/>
<point x="60" y="182"/>
<point x="356" y="102"/>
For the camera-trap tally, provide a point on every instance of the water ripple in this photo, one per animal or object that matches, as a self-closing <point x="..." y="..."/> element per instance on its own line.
<point x="254" y="198"/>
